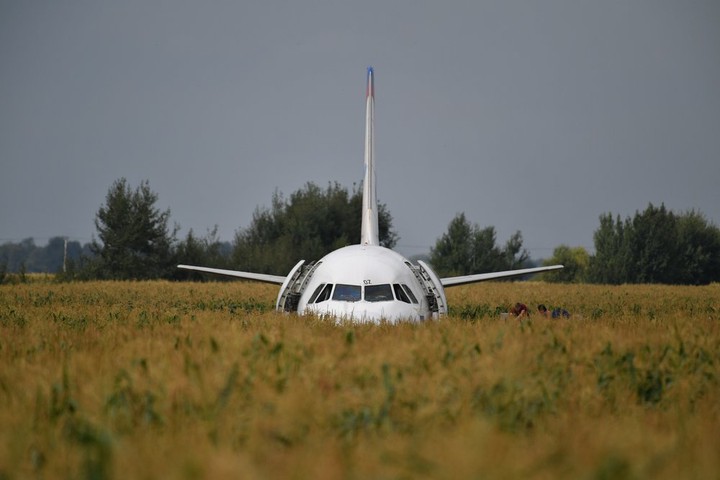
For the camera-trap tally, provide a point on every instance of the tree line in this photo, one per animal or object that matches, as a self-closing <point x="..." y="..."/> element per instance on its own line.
<point x="654" y="246"/>
<point x="136" y="241"/>
<point x="27" y="257"/>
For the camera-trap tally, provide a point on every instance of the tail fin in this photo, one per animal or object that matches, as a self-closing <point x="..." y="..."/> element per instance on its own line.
<point x="369" y="233"/>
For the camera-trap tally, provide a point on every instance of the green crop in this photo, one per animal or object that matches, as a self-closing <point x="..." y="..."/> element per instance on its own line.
<point x="192" y="381"/>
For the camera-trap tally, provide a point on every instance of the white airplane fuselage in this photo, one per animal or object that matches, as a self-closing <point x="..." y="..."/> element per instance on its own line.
<point x="365" y="282"/>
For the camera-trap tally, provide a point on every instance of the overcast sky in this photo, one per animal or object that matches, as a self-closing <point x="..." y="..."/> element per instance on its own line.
<point x="536" y="116"/>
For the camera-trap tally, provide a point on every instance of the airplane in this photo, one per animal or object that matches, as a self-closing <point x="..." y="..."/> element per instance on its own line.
<point x="366" y="282"/>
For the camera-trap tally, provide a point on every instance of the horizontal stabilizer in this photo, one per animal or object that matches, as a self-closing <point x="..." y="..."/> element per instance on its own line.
<point x="482" y="277"/>
<point x="258" y="277"/>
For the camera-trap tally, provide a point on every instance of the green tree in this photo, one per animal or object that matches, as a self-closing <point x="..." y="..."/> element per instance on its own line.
<point x="611" y="259"/>
<point x="50" y="258"/>
<point x="653" y="245"/>
<point x="699" y="250"/>
<point x="576" y="261"/>
<point x="466" y="249"/>
<point x="17" y="255"/>
<point x="135" y="241"/>
<point x="656" y="246"/>
<point x="453" y="253"/>
<point x="514" y="255"/>
<point x="308" y="225"/>
<point x="203" y="251"/>
<point x="47" y="259"/>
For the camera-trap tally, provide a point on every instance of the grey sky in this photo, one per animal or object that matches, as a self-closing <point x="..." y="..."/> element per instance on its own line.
<point x="535" y="116"/>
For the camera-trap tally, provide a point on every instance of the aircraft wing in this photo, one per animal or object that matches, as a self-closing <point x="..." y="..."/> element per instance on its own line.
<point x="481" y="277"/>
<point x="258" y="277"/>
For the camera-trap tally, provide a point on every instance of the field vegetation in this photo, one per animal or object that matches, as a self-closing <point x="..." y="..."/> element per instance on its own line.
<point x="193" y="381"/>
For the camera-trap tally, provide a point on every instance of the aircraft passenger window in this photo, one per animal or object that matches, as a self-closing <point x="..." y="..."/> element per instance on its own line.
<point x="346" y="293"/>
<point x="323" y="294"/>
<point x="400" y="294"/>
<point x="410" y="293"/>
<point x="378" y="293"/>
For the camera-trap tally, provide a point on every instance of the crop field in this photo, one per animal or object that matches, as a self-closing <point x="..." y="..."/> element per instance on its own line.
<point x="205" y="381"/>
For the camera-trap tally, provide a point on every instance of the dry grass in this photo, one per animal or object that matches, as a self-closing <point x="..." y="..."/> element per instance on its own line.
<point x="164" y="380"/>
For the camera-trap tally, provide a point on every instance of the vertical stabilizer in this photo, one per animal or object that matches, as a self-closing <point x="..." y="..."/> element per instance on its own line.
<point x="369" y="233"/>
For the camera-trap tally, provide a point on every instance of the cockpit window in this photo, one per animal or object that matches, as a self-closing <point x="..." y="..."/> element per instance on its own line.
<point x="378" y="293"/>
<point x="400" y="293"/>
<point x="346" y="293"/>
<point x="321" y="293"/>
<point x="352" y="293"/>
<point x="410" y="293"/>
<point x="316" y="293"/>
